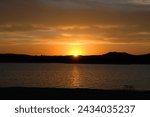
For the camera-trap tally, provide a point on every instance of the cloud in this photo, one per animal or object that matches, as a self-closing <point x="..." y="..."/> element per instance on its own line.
<point x="74" y="21"/>
<point x="82" y="4"/>
<point x="140" y="2"/>
<point x="71" y="12"/>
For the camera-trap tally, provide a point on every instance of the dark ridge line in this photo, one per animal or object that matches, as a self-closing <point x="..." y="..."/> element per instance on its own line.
<point x="108" y="58"/>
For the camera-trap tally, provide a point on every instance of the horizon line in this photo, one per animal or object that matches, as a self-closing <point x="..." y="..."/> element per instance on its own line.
<point x="121" y="52"/>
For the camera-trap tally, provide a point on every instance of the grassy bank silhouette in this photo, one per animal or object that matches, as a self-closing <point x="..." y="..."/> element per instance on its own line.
<point x="21" y="93"/>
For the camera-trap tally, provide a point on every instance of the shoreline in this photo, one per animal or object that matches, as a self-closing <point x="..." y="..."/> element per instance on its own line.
<point x="28" y="93"/>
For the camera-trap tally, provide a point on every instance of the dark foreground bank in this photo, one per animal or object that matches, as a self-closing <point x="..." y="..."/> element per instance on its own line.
<point x="70" y="94"/>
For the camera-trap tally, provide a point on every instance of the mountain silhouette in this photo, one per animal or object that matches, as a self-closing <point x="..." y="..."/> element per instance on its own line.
<point x="114" y="54"/>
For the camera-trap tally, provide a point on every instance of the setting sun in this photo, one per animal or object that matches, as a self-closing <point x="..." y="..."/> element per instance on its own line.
<point x="76" y="52"/>
<point x="75" y="55"/>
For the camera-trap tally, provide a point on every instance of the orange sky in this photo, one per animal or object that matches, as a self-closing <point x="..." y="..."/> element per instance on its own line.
<point x="66" y="27"/>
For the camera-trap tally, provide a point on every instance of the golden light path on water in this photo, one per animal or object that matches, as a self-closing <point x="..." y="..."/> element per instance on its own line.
<point x="75" y="77"/>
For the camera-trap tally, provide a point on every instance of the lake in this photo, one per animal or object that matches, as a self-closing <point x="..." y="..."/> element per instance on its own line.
<point x="94" y="76"/>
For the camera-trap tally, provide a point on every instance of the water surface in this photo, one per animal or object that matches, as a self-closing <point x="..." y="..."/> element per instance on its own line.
<point x="95" y="76"/>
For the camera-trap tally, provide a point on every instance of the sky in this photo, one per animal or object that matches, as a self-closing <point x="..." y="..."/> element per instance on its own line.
<point x="66" y="27"/>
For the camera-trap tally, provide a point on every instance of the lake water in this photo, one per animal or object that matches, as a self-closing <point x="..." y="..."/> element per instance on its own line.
<point x="95" y="76"/>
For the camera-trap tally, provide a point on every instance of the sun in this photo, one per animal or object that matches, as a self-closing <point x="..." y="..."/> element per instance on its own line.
<point x="75" y="55"/>
<point x="75" y="52"/>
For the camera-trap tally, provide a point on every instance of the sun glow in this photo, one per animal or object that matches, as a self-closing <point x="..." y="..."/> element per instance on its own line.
<point x="75" y="55"/>
<point x="76" y="52"/>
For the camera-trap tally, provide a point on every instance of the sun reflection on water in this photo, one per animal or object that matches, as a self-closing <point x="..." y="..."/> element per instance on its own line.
<point x="75" y="77"/>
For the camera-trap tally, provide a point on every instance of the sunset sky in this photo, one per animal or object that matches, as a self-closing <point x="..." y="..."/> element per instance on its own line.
<point x="66" y="27"/>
